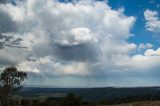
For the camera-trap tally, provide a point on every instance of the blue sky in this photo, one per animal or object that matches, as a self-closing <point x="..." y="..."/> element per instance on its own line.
<point x="84" y="43"/>
<point x="137" y="8"/>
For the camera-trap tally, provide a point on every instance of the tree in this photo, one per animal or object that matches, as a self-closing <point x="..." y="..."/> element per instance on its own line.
<point x="11" y="80"/>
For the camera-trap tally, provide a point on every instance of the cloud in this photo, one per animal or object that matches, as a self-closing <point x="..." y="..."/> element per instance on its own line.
<point x="6" y="22"/>
<point x="4" y="1"/>
<point x="152" y="21"/>
<point x="76" y="36"/>
<point x="76" y="40"/>
<point x="8" y="28"/>
<point x="151" y="1"/>
<point x="52" y="67"/>
<point x="145" y="46"/>
<point x="151" y="52"/>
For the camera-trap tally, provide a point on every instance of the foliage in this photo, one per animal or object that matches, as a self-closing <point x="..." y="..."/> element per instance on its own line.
<point x="10" y="81"/>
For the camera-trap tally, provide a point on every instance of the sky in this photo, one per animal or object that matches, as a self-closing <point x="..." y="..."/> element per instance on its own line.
<point x="82" y="43"/>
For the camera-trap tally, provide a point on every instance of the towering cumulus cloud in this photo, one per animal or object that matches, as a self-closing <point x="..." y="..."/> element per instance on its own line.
<point x="80" y="40"/>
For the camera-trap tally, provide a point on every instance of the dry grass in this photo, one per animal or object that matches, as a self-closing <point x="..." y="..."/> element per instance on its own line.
<point x="145" y="103"/>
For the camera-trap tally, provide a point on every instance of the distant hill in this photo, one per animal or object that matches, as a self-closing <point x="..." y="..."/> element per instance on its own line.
<point x="93" y="94"/>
